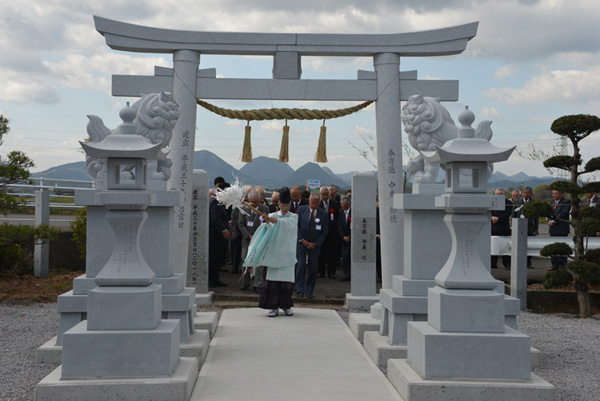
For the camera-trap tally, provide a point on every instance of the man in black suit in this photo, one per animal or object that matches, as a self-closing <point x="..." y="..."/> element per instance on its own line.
<point x="274" y="205"/>
<point x="333" y="193"/>
<point x="218" y="228"/>
<point x="344" y="225"/>
<point x="297" y="199"/>
<point x="558" y="228"/>
<point x="313" y="225"/>
<point x="501" y="227"/>
<point x="329" y="255"/>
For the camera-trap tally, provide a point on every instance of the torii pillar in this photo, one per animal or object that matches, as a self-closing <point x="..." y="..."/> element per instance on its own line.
<point x="185" y="65"/>
<point x="389" y="164"/>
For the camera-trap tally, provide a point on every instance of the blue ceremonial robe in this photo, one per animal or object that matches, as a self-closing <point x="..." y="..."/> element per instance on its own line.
<point x="274" y="246"/>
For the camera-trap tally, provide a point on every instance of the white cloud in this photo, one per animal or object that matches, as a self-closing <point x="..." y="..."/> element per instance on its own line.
<point x="232" y="123"/>
<point x="489" y="112"/>
<point x="273" y="125"/>
<point x="28" y="90"/>
<point x="556" y="86"/>
<point x="505" y="71"/>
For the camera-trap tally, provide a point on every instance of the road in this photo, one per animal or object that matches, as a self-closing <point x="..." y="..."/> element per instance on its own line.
<point x="59" y="221"/>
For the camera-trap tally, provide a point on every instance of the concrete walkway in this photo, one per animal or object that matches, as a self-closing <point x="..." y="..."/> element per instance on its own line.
<point x="309" y="356"/>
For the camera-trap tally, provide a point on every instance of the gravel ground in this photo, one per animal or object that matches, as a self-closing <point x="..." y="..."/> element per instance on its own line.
<point x="570" y="347"/>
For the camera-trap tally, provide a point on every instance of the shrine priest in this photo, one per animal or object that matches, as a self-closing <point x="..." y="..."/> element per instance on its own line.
<point x="274" y="246"/>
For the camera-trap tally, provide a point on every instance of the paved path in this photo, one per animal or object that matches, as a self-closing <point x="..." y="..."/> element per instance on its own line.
<point x="309" y="356"/>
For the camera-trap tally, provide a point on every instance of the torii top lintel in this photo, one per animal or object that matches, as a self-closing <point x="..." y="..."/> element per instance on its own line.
<point x="138" y="38"/>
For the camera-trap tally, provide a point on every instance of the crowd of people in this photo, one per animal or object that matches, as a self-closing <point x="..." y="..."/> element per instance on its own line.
<point x="558" y="226"/>
<point x="321" y="246"/>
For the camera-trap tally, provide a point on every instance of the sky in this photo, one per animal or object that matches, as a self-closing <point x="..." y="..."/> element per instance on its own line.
<point x="530" y="63"/>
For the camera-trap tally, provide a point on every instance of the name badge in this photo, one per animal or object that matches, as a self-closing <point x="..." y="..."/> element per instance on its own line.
<point x="318" y="227"/>
<point x="251" y="224"/>
<point x="331" y="216"/>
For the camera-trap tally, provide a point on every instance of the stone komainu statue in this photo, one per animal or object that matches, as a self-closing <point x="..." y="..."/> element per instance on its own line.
<point x="156" y="116"/>
<point x="428" y="124"/>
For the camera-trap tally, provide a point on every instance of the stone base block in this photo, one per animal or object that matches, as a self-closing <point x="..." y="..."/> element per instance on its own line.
<point x="414" y="388"/>
<point x="394" y="302"/>
<point x="474" y="311"/>
<point x="377" y="311"/>
<point x="177" y="387"/>
<point x="49" y="352"/>
<point x="380" y="350"/>
<point x="171" y="285"/>
<point x="124" y="308"/>
<point x="206" y="321"/>
<point x="67" y="321"/>
<point x="70" y="302"/>
<point x="182" y="301"/>
<point x="360" y="323"/>
<point x="536" y="358"/>
<point x="411" y="287"/>
<point x="204" y="298"/>
<point x="82" y="284"/>
<point x="468" y="356"/>
<point x="120" y="353"/>
<point x="197" y="347"/>
<point x="360" y="303"/>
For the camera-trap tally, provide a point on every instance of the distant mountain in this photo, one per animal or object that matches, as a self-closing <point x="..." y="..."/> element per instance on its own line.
<point x="310" y="171"/>
<point x="520" y="177"/>
<point x="69" y="171"/>
<point x="498" y="176"/>
<point x="266" y="171"/>
<point x="270" y="173"/>
<point x="215" y="167"/>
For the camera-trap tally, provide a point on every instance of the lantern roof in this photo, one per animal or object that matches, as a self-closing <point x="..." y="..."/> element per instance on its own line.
<point x="123" y="142"/>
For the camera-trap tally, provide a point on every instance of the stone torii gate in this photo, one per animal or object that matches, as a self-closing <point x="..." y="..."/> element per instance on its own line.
<point x="387" y="86"/>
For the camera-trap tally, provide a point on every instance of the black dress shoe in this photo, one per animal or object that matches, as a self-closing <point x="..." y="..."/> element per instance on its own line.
<point x="310" y="296"/>
<point x="300" y="294"/>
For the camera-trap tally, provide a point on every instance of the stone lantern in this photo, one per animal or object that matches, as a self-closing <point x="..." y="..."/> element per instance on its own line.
<point x="124" y="350"/>
<point x="464" y="350"/>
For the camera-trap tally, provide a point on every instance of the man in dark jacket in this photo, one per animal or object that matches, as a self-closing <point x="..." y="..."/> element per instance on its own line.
<point x="328" y="257"/>
<point x="345" y="221"/>
<point x="218" y="235"/>
<point x="559" y="225"/>
<point x="313" y="225"/>
<point x="532" y="223"/>
<point x="501" y="226"/>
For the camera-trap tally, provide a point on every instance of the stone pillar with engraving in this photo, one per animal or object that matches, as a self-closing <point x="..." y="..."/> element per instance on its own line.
<point x="464" y="349"/>
<point x="363" y="247"/>
<point x="197" y="272"/>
